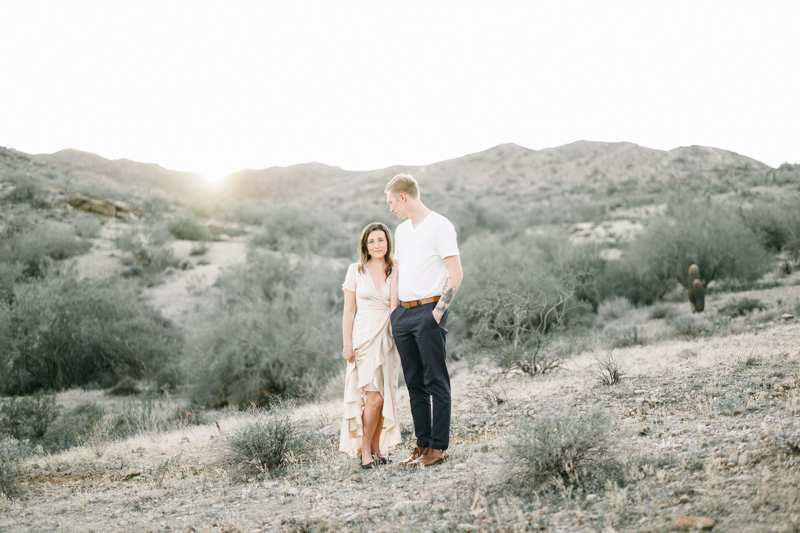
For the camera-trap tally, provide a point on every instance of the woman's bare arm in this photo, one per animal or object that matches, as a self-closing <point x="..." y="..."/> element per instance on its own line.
<point x="348" y="317"/>
<point x="393" y="299"/>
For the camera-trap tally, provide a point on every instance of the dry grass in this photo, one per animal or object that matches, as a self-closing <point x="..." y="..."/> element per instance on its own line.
<point x="703" y="426"/>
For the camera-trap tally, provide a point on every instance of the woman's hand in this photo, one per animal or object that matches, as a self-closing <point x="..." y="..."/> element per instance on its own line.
<point x="348" y="354"/>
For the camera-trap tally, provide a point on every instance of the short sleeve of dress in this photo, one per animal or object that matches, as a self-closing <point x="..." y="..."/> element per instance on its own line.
<point x="350" y="279"/>
<point x="446" y="243"/>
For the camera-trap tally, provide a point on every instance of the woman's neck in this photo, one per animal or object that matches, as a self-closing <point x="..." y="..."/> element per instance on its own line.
<point x="377" y="262"/>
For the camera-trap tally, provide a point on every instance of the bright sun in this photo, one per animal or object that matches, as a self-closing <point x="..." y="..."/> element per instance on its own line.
<point x="214" y="178"/>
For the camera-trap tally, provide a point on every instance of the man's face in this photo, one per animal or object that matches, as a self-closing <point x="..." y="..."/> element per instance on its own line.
<point x="397" y="204"/>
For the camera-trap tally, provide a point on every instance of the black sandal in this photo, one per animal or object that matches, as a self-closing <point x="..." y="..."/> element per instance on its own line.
<point x="368" y="466"/>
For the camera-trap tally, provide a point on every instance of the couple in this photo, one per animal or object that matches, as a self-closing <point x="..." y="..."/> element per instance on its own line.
<point x="402" y="307"/>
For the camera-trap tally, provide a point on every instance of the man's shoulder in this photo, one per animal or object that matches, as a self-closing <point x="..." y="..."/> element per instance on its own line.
<point x="441" y="220"/>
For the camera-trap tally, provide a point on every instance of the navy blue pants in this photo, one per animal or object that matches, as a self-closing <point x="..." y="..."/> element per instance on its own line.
<point x="421" y="343"/>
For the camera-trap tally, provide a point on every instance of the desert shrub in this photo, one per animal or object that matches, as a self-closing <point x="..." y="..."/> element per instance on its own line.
<point x="274" y="331"/>
<point x="606" y="370"/>
<point x="199" y="249"/>
<point x="775" y="223"/>
<point x="614" y="308"/>
<point x="711" y="236"/>
<point x="518" y="314"/>
<point x="87" y="227"/>
<point x="272" y="440"/>
<point x="32" y="245"/>
<point x="72" y="428"/>
<point x="621" y="337"/>
<point x="741" y="307"/>
<point x="472" y="217"/>
<point x="26" y="190"/>
<point x="153" y="415"/>
<point x="661" y="310"/>
<point x="189" y="229"/>
<point x="64" y="332"/>
<point x="10" y="274"/>
<point x="28" y="417"/>
<point x="148" y="247"/>
<point x="482" y="257"/>
<point x="301" y="230"/>
<point x="558" y="444"/>
<point x="12" y="451"/>
<point x="689" y="325"/>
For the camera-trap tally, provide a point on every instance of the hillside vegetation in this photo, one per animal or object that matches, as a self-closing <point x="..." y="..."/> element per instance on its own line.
<point x="172" y="358"/>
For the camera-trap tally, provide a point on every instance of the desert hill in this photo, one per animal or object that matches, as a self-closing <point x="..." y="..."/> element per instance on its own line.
<point x="516" y="169"/>
<point x="519" y="171"/>
<point x="142" y="177"/>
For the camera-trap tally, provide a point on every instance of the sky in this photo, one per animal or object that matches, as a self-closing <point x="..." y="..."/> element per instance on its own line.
<point x="214" y="87"/>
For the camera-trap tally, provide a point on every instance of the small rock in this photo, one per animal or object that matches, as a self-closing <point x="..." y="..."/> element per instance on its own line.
<point x="591" y="497"/>
<point x="685" y="498"/>
<point x="356" y="479"/>
<point x="186" y="264"/>
<point x="130" y="474"/>
<point x="692" y="522"/>
<point x="787" y="316"/>
<point x="292" y="491"/>
<point x="350" y="517"/>
<point x="306" y="492"/>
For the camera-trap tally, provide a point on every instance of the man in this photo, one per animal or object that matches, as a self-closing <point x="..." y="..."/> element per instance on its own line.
<point x="429" y="277"/>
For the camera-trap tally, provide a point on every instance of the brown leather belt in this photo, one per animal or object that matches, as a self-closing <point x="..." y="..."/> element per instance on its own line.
<point x="424" y="301"/>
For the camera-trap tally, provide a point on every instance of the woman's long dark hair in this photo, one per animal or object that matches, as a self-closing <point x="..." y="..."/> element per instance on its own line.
<point x="364" y="254"/>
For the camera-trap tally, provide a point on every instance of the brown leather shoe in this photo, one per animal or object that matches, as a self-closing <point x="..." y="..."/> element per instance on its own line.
<point x="432" y="457"/>
<point x="418" y="452"/>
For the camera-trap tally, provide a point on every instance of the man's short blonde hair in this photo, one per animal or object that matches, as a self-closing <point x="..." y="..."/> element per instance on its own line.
<point x="403" y="183"/>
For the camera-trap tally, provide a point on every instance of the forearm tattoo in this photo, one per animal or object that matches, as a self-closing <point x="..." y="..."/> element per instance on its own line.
<point x="447" y="297"/>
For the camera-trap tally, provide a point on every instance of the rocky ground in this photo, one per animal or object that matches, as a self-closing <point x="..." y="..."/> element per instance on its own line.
<point x="705" y="428"/>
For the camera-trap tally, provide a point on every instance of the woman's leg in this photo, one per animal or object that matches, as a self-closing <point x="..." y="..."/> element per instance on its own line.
<point x="373" y="406"/>
<point x="376" y="437"/>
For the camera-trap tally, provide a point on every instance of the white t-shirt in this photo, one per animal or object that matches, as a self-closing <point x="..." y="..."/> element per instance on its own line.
<point x="420" y="253"/>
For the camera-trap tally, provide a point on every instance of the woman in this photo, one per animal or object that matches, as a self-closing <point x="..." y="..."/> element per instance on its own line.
<point x="370" y="413"/>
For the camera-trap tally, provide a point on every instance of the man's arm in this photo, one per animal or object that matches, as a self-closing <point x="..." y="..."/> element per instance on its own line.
<point x="454" y="277"/>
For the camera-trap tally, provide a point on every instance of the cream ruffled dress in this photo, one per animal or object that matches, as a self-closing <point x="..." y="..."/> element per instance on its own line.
<point x="376" y="366"/>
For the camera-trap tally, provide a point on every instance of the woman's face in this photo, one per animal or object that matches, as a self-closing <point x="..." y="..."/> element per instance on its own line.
<point x="376" y="244"/>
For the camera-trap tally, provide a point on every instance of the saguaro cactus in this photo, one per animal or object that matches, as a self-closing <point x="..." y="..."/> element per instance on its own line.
<point x="696" y="292"/>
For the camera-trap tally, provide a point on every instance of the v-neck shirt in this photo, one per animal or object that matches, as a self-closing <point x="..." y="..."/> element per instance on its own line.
<point x="420" y="253"/>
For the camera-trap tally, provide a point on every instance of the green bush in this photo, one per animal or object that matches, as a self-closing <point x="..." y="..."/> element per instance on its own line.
<point x="72" y="428"/>
<point x="517" y="315"/>
<point x="10" y="274"/>
<point x="661" y="310"/>
<point x="274" y="331"/>
<point x="12" y="451"/>
<point x="27" y="190"/>
<point x="613" y="308"/>
<point x="87" y="227"/>
<point x="189" y="229"/>
<point x="63" y="332"/>
<point x="622" y="337"/>
<point x="775" y="223"/>
<point x="271" y="441"/>
<point x="28" y="417"/>
<point x="147" y="244"/>
<point x="34" y="245"/>
<point x="689" y="326"/>
<point x="741" y="307"/>
<point x="302" y="230"/>
<point x="711" y="236"/>
<point x="558" y="444"/>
